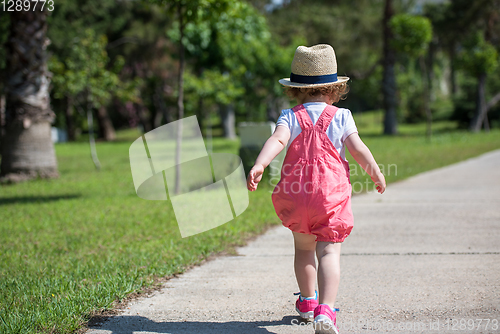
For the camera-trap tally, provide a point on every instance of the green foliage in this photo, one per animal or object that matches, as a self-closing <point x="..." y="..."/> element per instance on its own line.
<point x="250" y="55"/>
<point x="213" y="87"/>
<point x="352" y="27"/>
<point x="478" y="56"/>
<point x="194" y="10"/>
<point x="71" y="18"/>
<point x="233" y="58"/>
<point x="84" y="72"/>
<point x="227" y="43"/>
<point x="411" y="92"/>
<point x="412" y="34"/>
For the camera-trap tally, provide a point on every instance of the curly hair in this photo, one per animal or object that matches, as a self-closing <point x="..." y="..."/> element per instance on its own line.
<point x="336" y="92"/>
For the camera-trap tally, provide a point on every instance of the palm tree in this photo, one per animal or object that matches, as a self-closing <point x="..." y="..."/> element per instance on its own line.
<point x="27" y="149"/>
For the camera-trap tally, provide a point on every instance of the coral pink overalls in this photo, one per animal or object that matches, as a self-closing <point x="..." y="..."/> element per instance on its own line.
<point x="314" y="193"/>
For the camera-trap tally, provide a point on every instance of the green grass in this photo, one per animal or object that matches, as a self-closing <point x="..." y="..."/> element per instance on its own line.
<point x="77" y="244"/>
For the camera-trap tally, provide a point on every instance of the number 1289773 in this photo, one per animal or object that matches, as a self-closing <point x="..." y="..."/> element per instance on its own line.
<point x="26" y="5"/>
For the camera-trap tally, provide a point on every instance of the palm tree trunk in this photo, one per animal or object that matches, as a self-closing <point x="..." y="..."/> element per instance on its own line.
<point x="389" y="77"/>
<point x="27" y="149"/>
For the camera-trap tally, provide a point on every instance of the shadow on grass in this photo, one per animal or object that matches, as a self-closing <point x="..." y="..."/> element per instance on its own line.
<point x="36" y="199"/>
<point x="133" y="324"/>
<point x="129" y="140"/>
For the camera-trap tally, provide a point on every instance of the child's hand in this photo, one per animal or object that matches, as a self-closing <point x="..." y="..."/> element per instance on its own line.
<point x="379" y="181"/>
<point x="254" y="177"/>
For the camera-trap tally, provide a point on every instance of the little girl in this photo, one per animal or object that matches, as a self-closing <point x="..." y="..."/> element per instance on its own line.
<point x="313" y="196"/>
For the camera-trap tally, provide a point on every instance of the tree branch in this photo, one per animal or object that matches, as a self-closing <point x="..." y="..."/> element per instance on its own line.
<point x="494" y="100"/>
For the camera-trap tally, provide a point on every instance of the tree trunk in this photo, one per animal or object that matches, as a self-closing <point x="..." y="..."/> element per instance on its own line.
<point x="228" y="121"/>
<point x="477" y="120"/>
<point x="157" y="119"/>
<point x="180" y="103"/>
<point x="27" y="148"/>
<point x="200" y="115"/>
<point x="161" y="108"/>
<point x="493" y="101"/>
<point x="106" y="129"/>
<point x="272" y="112"/>
<point x="142" y="112"/>
<point x="167" y="114"/>
<point x="453" y="76"/>
<point x="2" y="115"/>
<point x="426" y="80"/>
<point x="389" y="77"/>
<point x="90" y="122"/>
<point x="70" y="122"/>
<point x="486" y="123"/>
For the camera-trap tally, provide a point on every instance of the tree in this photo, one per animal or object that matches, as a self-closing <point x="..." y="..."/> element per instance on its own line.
<point x="235" y="65"/>
<point x="354" y="34"/>
<point x="136" y="33"/>
<point x="186" y="11"/>
<point x="84" y="77"/>
<point x="469" y="31"/>
<point x="27" y="148"/>
<point x="411" y="36"/>
<point x="479" y="58"/>
<point x="149" y="55"/>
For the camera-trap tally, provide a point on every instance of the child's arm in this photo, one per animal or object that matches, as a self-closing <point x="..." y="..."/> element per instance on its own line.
<point x="364" y="158"/>
<point x="271" y="149"/>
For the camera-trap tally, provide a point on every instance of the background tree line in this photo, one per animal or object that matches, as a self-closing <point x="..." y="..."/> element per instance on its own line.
<point x="119" y="62"/>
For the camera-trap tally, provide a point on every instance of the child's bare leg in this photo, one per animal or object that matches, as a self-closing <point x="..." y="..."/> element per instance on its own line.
<point x="328" y="271"/>
<point x="305" y="263"/>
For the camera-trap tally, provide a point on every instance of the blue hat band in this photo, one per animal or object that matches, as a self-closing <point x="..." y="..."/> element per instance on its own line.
<point x="313" y="79"/>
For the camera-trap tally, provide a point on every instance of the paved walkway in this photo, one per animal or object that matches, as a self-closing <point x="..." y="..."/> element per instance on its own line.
<point x="423" y="256"/>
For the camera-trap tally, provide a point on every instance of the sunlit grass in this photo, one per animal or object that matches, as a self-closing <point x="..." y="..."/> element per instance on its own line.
<point x="76" y="244"/>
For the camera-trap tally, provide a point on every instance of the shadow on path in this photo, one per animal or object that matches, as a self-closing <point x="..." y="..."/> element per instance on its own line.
<point x="134" y="324"/>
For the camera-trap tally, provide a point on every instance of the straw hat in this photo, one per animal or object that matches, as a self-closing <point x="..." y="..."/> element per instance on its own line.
<point x="313" y="66"/>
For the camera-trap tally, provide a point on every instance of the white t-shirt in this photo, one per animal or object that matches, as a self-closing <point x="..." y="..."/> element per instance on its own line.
<point x="341" y="127"/>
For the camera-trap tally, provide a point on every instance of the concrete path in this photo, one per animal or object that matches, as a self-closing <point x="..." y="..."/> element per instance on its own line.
<point x="423" y="258"/>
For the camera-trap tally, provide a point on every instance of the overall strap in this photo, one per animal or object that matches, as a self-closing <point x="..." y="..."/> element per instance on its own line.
<point x="326" y="117"/>
<point x="302" y="116"/>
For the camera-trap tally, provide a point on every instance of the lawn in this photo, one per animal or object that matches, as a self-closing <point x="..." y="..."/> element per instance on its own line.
<point x="78" y="244"/>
